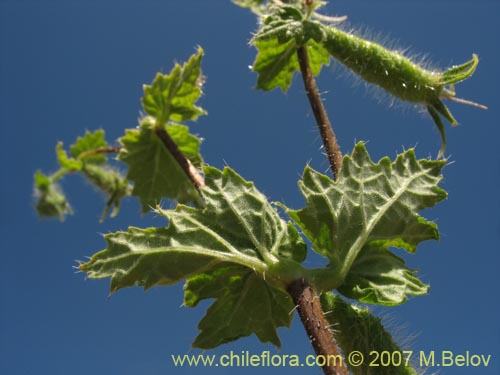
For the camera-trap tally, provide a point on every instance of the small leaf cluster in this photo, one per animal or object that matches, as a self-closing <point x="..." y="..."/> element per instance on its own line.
<point x="150" y="151"/>
<point x="155" y="171"/>
<point x="87" y="157"/>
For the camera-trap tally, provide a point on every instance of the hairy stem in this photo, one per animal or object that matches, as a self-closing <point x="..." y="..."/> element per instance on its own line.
<point x="303" y="295"/>
<point x="98" y="151"/>
<point x="325" y="128"/>
<point x="317" y="327"/>
<point x="185" y="164"/>
<point x="103" y="150"/>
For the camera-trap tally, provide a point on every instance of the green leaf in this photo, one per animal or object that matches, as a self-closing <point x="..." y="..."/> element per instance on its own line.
<point x="111" y="183"/>
<point x="237" y="206"/>
<point x="90" y="142"/>
<point x="379" y="276"/>
<point x="150" y="257"/>
<point x="318" y="56"/>
<point x="356" y="329"/>
<point x="237" y="226"/>
<point x="458" y="73"/>
<point x="66" y="162"/>
<point x="51" y="201"/>
<point x="155" y="172"/>
<point x="172" y="96"/>
<point x="188" y="144"/>
<point x="276" y="63"/>
<point x="245" y="304"/>
<point x="371" y="206"/>
<point x="153" y="165"/>
<point x="277" y="42"/>
<point x="255" y="5"/>
<point x="42" y="182"/>
<point x="237" y="242"/>
<point x="248" y="3"/>
<point x="261" y="6"/>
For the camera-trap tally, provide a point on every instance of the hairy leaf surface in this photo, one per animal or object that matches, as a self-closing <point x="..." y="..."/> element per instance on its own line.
<point x="152" y="165"/>
<point x="369" y="208"/>
<point x="244" y="304"/>
<point x="188" y="143"/>
<point x="172" y="96"/>
<point x="276" y="63"/>
<point x="90" y="142"/>
<point x="237" y="206"/>
<point x="51" y="201"/>
<point x="154" y="170"/>
<point x="65" y="161"/>
<point x="379" y="276"/>
<point x="111" y="183"/>
<point x="225" y="250"/>
<point x="277" y="42"/>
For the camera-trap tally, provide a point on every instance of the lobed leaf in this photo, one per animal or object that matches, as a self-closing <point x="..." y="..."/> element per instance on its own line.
<point x="277" y="42"/>
<point x="188" y="143"/>
<point x="172" y="96"/>
<point x="90" y="142"/>
<point x="237" y="206"/>
<point x="379" y="276"/>
<point x="151" y="155"/>
<point x="224" y="250"/>
<point x="148" y="257"/>
<point x="154" y="170"/>
<point x="276" y="63"/>
<point x="369" y="208"/>
<point x="66" y="162"/>
<point x="244" y="304"/>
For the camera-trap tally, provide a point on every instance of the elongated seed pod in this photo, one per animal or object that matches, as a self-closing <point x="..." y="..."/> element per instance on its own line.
<point x="387" y="69"/>
<point x="399" y="76"/>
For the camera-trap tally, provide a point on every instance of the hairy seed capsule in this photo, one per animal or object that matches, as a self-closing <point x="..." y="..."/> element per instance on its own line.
<point x="400" y="76"/>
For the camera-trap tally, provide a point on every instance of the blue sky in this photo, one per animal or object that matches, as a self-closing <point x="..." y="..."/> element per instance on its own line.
<point x="70" y="66"/>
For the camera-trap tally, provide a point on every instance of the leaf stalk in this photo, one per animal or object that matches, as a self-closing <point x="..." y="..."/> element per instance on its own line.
<point x="99" y="151"/>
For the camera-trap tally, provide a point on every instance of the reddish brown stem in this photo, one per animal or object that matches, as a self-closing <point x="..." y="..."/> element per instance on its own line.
<point x="311" y="314"/>
<point x="325" y="128"/>
<point x="185" y="164"/>
<point x="102" y="150"/>
<point x="304" y="296"/>
<point x="171" y="146"/>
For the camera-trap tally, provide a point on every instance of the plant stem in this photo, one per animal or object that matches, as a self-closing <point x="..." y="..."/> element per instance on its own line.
<point x="302" y="293"/>
<point x="185" y="164"/>
<point x="317" y="327"/>
<point x="325" y="128"/>
<point x="98" y="151"/>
